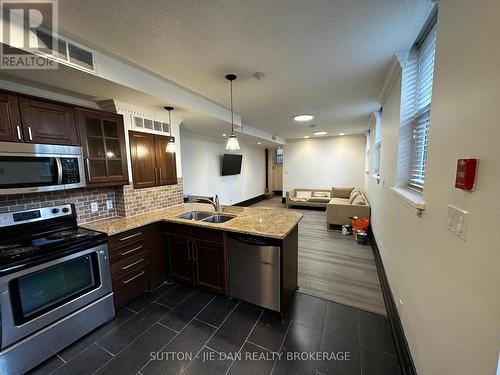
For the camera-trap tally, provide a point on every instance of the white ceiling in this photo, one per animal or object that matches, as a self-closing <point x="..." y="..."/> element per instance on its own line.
<point x="324" y="57"/>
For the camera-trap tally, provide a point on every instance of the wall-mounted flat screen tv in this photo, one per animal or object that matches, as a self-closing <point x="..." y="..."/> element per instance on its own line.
<point x="231" y="164"/>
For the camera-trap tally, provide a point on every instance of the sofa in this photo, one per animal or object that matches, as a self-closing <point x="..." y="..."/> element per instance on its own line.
<point x="346" y="203"/>
<point x="308" y="197"/>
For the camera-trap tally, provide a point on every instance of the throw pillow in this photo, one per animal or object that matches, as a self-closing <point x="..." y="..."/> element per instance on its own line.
<point x="359" y="200"/>
<point x="354" y="194"/>
<point x="323" y="194"/>
<point x="303" y="194"/>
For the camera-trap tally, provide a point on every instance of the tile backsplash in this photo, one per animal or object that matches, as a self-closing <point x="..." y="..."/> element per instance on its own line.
<point x="126" y="200"/>
<point x="138" y="201"/>
<point x="80" y="197"/>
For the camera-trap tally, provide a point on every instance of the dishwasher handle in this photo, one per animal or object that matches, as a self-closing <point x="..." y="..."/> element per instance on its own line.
<point x="254" y="241"/>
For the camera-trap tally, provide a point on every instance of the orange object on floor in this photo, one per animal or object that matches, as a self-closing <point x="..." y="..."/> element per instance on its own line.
<point x="359" y="223"/>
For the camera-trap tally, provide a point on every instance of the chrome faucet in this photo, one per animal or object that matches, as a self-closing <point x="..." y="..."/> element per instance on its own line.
<point x="214" y="202"/>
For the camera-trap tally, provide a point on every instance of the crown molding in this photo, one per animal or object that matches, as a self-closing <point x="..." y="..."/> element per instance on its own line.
<point x="393" y="73"/>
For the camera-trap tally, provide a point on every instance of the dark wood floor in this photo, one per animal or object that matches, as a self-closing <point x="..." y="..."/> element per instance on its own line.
<point x="178" y="329"/>
<point x="333" y="266"/>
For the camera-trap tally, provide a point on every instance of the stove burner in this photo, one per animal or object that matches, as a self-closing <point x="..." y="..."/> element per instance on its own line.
<point x="67" y="234"/>
<point x="13" y="251"/>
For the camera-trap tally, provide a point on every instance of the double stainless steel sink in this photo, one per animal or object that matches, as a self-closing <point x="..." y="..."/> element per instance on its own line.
<point x="207" y="217"/>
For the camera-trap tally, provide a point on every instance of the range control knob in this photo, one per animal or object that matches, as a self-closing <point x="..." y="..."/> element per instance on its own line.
<point x="65" y="209"/>
<point x="55" y="210"/>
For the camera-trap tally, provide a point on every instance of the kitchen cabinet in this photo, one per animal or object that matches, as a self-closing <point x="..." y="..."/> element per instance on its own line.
<point x="102" y="138"/>
<point x="31" y="120"/>
<point x="48" y="122"/>
<point x="138" y="261"/>
<point x="165" y="162"/>
<point x="151" y="164"/>
<point x="197" y="256"/>
<point x="10" y="119"/>
<point x="179" y="258"/>
<point x="209" y="265"/>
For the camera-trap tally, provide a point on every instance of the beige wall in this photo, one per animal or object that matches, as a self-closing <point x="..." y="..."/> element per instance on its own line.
<point x="321" y="163"/>
<point x="449" y="287"/>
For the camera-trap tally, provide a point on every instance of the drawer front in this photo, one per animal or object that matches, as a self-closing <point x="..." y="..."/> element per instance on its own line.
<point x="131" y="249"/>
<point x="131" y="284"/>
<point x="191" y="231"/>
<point x="125" y="238"/>
<point x="129" y="264"/>
<point x="213" y="235"/>
<point x="183" y="230"/>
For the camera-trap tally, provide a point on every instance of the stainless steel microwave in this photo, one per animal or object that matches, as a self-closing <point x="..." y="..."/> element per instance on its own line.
<point x="29" y="168"/>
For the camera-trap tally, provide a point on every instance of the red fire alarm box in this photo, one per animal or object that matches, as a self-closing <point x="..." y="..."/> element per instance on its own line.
<point x="466" y="174"/>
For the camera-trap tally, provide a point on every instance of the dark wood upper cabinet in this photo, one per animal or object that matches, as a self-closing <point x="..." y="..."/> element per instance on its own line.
<point x="151" y="164"/>
<point x="10" y="119"/>
<point x="142" y="154"/>
<point x="48" y="122"/>
<point x="102" y="138"/>
<point x="165" y="162"/>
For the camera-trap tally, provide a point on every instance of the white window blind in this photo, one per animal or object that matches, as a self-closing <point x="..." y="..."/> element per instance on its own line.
<point x="416" y="98"/>
<point x="378" y="143"/>
<point x="421" y="115"/>
<point x="419" y="157"/>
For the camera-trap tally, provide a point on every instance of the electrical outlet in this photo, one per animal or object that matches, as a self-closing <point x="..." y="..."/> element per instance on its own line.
<point x="94" y="207"/>
<point x="109" y="204"/>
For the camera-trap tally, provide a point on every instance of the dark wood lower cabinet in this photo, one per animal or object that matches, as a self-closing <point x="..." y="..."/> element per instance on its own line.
<point x="138" y="261"/>
<point x="209" y="269"/>
<point x="197" y="256"/>
<point x="179" y="258"/>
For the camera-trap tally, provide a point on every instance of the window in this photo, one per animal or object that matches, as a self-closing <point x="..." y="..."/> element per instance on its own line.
<point x="279" y="156"/>
<point x="416" y="105"/>
<point x="378" y="143"/>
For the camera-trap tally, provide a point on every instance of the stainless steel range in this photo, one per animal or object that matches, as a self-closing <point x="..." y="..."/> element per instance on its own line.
<point x="55" y="284"/>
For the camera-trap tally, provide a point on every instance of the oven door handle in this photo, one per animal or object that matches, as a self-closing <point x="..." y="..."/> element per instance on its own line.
<point x="59" y="171"/>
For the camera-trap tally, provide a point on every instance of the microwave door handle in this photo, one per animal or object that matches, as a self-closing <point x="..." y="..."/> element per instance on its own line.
<point x="59" y="171"/>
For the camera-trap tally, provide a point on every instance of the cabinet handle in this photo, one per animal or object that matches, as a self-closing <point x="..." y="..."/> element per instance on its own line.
<point x="19" y="132"/>
<point x="195" y="252"/>
<point x="189" y="250"/>
<point x="30" y="133"/>
<point x="132" y="250"/>
<point x="133" y="278"/>
<point x="87" y="163"/>
<point x="133" y="264"/>
<point x="131" y="236"/>
<point x="159" y="176"/>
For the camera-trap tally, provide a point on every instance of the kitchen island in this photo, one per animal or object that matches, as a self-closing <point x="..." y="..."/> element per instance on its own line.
<point x="147" y="249"/>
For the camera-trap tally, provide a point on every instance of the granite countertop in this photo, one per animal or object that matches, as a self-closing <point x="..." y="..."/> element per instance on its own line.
<point x="265" y="222"/>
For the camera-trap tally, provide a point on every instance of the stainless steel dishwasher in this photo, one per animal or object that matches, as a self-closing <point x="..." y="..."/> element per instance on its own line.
<point x="254" y="270"/>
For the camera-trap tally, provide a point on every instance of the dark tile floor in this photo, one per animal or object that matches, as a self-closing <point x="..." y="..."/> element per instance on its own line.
<point x="178" y="329"/>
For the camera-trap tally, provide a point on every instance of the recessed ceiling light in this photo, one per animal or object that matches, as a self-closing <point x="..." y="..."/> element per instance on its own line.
<point x="306" y="136"/>
<point x="259" y="143"/>
<point x="320" y="133"/>
<point x="224" y="134"/>
<point x="302" y="118"/>
<point x="341" y="133"/>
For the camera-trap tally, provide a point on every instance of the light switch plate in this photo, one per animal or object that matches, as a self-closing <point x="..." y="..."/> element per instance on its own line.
<point x="457" y="221"/>
<point x="94" y="207"/>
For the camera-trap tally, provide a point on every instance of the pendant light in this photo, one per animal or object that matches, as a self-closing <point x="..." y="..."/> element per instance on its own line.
<point x="171" y="142"/>
<point x="232" y="142"/>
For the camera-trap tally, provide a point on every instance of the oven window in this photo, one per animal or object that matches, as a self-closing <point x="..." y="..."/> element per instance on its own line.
<point x="24" y="171"/>
<point x="48" y="288"/>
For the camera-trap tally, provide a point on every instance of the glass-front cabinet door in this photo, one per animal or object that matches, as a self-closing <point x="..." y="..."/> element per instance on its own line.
<point x="103" y="140"/>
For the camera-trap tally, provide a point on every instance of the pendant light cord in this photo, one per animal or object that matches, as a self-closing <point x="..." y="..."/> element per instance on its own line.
<point x="232" y="113"/>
